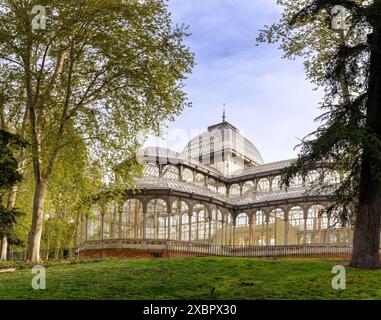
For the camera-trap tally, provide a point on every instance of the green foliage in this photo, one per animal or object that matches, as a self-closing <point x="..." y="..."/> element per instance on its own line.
<point x="123" y="67"/>
<point x="91" y="85"/>
<point x="337" y="61"/>
<point x="8" y="219"/>
<point x="73" y="180"/>
<point x="9" y="176"/>
<point x="123" y="70"/>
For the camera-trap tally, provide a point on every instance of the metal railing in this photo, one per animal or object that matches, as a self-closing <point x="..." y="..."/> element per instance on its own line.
<point x="180" y="250"/>
<point x="278" y="251"/>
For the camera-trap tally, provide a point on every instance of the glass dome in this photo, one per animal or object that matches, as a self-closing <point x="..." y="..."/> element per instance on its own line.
<point x="224" y="148"/>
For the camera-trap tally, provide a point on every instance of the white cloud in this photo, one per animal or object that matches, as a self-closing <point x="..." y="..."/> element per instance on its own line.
<point x="267" y="98"/>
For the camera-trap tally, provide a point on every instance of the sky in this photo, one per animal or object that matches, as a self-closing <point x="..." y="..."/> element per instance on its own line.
<point x="267" y="98"/>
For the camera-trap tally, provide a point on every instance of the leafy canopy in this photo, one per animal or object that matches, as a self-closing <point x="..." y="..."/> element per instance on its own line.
<point x="338" y="62"/>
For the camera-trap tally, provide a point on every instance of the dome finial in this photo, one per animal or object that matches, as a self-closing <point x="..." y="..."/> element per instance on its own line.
<point x="224" y="114"/>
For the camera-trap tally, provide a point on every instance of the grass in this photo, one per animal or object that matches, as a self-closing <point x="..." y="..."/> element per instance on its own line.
<point x="191" y="278"/>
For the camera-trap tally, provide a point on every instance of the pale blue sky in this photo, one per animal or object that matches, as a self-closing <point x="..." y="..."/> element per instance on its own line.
<point x="267" y="97"/>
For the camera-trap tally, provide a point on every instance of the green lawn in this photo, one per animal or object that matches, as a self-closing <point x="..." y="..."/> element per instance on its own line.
<point x="191" y="278"/>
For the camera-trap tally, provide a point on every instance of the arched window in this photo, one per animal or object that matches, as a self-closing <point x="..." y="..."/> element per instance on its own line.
<point x="248" y="187"/>
<point x="276" y="228"/>
<point x="235" y="190"/>
<point x="132" y="219"/>
<point x="171" y="172"/>
<point x="185" y="227"/>
<point x="317" y="225"/>
<point x="313" y="177"/>
<point x="151" y="170"/>
<point x="202" y="226"/>
<point x="263" y="185"/>
<point x="157" y="211"/>
<point x="193" y="226"/>
<point x="173" y="221"/>
<point x="228" y="230"/>
<point x="150" y="228"/>
<point x="199" y="180"/>
<point x="242" y="220"/>
<point x="200" y="230"/>
<point x="216" y="227"/>
<point x="260" y="228"/>
<point x="212" y="185"/>
<point x="187" y="175"/>
<point x="296" y="226"/>
<point x="276" y="183"/>
<point x="296" y="181"/>
<point x="162" y="227"/>
<point x="179" y="208"/>
<point x="222" y="189"/>
<point x="242" y="233"/>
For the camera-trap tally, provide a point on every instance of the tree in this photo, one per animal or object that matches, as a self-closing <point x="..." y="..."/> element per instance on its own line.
<point x="105" y="68"/>
<point x="73" y="181"/>
<point x="9" y="176"/>
<point x="366" y="240"/>
<point x="349" y="139"/>
<point x="13" y="118"/>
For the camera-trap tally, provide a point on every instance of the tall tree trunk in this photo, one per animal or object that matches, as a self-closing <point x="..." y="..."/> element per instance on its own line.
<point x="366" y="239"/>
<point x="3" y="242"/>
<point x="37" y="220"/>
<point x="4" y="249"/>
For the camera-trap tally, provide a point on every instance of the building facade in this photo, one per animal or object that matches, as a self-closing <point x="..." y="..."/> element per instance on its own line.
<point x="217" y="191"/>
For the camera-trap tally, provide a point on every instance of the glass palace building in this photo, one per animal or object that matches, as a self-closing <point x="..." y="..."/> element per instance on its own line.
<point x="218" y="191"/>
